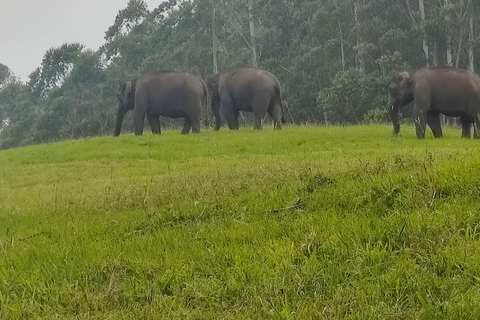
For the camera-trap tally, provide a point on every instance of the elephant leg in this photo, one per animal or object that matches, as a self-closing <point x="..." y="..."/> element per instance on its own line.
<point x="196" y="124"/>
<point x="433" y="120"/>
<point x="193" y="112"/>
<point x="138" y="121"/>
<point x="235" y="121"/>
<point x="218" y="118"/>
<point x="154" y="122"/>
<point x="236" y="116"/>
<point x="476" y="126"/>
<point x="276" y="113"/>
<point x="466" y="127"/>
<point x="419" y="110"/>
<point x="187" y="125"/>
<point x="257" y="125"/>
<point x="232" y="119"/>
<point x="259" y="107"/>
<point x="139" y="111"/>
<point x="231" y="115"/>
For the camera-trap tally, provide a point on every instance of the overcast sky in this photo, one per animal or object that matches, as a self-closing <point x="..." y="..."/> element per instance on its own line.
<point x="28" y="28"/>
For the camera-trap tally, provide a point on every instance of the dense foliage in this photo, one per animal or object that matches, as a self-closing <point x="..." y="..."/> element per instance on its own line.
<point x="333" y="57"/>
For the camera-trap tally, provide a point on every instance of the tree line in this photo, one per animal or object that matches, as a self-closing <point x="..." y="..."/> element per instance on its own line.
<point x="334" y="58"/>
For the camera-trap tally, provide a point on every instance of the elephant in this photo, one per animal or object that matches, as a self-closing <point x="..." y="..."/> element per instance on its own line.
<point x="168" y="93"/>
<point x="447" y="90"/>
<point x="246" y="89"/>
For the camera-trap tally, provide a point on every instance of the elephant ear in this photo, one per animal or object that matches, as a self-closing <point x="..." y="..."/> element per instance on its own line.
<point x="404" y="79"/>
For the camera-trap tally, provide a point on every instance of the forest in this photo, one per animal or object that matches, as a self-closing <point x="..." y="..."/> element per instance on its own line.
<point x="334" y="58"/>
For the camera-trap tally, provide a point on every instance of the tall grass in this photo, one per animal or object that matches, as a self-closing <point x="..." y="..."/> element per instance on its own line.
<point x="309" y="222"/>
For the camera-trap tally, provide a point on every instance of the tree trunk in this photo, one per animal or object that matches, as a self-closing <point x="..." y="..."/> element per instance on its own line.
<point x="449" y="40"/>
<point x="214" y="40"/>
<point x="425" y="44"/>
<point x="342" y="41"/>
<point x="359" y="55"/>
<point x="342" y="48"/>
<point x="471" y="39"/>
<point x="434" y="54"/>
<point x="461" y="17"/>
<point x="251" y="24"/>
<point x="459" y="49"/>
<point x="449" y="52"/>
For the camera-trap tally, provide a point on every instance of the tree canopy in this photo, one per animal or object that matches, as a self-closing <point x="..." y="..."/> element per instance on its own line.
<point x="334" y="58"/>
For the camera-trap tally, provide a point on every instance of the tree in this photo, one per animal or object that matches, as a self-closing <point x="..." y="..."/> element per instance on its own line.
<point x="18" y="111"/>
<point x="56" y="66"/>
<point x="5" y="75"/>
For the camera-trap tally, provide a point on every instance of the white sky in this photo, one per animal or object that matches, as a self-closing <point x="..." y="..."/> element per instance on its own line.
<point x="28" y="28"/>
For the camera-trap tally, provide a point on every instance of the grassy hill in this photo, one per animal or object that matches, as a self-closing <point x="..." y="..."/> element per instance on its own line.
<point x="304" y="223"/>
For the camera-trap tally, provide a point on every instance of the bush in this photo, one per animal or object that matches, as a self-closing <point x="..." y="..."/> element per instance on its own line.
<point x="375" y="116"/>
<point x="351" y="95"/>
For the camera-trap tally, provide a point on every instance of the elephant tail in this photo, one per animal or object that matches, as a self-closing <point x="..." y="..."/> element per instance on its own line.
<point x="205" y="102"/>
<point x="278" y="89"/>
<point x="205" y="98"/>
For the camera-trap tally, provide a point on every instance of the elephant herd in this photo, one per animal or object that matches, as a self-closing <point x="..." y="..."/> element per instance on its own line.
<point x="444" y="90"/>
<point x="176" y="94"/>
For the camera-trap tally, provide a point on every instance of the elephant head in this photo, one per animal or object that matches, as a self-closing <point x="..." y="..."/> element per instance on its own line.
<point x="212" y="85"/>
<point x="400" y="94"/>
<point x="126" y="102"/>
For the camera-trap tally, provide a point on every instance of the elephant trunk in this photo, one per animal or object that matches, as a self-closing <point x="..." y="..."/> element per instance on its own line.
<point x="393" y="111"/>
<point x="118" y="121"/>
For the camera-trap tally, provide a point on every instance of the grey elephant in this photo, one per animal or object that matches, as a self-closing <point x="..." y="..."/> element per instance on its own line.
<point x="171" y="94"/>
<point x="450" y="91"/>
<point x="246" y="89"/>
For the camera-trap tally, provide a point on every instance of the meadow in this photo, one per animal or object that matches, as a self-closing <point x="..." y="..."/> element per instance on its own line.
<point x="306" y="223"/>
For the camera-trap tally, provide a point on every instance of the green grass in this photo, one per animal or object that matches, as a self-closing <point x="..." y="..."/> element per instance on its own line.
<point x="307" y="223"/>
